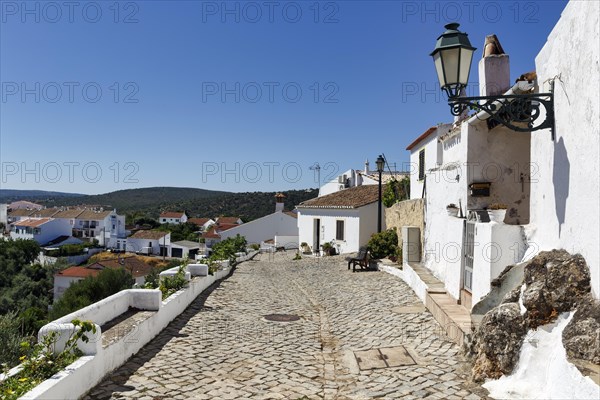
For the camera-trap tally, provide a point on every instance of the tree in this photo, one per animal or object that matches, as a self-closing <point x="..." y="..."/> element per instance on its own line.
<point x="396" y="191"/>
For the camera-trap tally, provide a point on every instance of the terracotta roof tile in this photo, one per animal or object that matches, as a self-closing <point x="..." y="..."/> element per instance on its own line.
<point x="198" y="221"/>
<point x="148" y="234"/>
<point x="94" y="215"/>
<point x="171" y="214"/>
<point x="31" y="222"/>
<point x="20" y="212"/>
<point x="291" y="214"/>
<point x="354" y="197"/>
<point x="134" y="265"/>
<point x="68" y="213"/>
<point x="228" y="220"/>
<point x="423" y="136"/>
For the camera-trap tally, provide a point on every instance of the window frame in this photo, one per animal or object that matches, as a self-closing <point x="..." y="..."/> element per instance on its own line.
<point x="343" y="229"/>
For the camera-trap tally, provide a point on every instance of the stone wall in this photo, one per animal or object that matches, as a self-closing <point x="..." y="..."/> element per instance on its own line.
<point x="405" y="213"/>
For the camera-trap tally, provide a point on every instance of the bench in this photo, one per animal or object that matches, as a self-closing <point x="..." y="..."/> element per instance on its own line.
<point x="362" y="259"/>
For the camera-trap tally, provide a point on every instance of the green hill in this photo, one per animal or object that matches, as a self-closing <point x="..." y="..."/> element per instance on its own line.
<point x="150" y="202"/>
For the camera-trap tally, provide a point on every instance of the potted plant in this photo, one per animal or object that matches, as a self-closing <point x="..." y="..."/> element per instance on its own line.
<point x="327" y="248"/>
<point x="452" y="210"/>
<point x="497" y="212"/>
<point x="305" y="248"/>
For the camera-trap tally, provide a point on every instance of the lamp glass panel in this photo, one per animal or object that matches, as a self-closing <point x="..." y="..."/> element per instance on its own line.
<point x="437" y="59"/>
<point x="450" y="59"/>
<point x="465" y="65"/>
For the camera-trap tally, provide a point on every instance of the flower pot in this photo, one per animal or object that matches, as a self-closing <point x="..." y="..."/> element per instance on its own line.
<point x="497" y="215"/>
<point x="453" y="212"/>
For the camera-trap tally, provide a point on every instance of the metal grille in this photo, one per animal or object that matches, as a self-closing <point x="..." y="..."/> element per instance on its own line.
<point x="469" y="252"/>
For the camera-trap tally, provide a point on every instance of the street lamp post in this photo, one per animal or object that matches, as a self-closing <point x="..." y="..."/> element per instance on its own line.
<point x="380" y="164"/>
<point x="452" y="57"/>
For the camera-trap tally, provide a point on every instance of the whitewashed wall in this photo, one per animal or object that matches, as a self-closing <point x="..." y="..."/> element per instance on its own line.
<point x="48" y="231"/>
<point x="500" y="156"/>
<point x="444" y="234"/>
<point x="306" y="217"/>
<point x="496" y="247"/>
<point x="265" y="228"/>
<point x="564" y="201"/>
<point x="135" y="244"/>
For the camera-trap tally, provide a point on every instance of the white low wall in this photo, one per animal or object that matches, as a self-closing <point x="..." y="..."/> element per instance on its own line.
<point x="408" y="275"/>
<point x="98" y="361"/>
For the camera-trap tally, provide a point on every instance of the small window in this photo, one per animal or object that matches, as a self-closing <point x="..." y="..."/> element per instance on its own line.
<point x="422" y="164"/>
<point x="339" y="230"/>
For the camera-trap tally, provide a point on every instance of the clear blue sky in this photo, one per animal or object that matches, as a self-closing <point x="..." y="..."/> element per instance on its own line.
<point x="363" y="68"/>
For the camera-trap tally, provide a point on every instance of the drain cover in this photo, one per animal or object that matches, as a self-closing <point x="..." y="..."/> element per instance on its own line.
<point x="383" y="358"/>
<point x="282" y="317"/>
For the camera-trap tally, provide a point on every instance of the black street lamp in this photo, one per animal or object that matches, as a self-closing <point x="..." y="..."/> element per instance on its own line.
<point x="380" y="164"/>
<point x="452" y="57"/>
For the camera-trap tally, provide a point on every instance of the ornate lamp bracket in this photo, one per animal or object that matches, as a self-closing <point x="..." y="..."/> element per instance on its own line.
<point x="517" y="112"/>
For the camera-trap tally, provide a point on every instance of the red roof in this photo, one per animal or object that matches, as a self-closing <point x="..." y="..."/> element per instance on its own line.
<point x="134" y="265"/>
<point x="198" y="221"/>
<point x="171" y="214"/>
<point x="223" y="227"/>
<point x="423" y="136"/>
<point x="211" y="234"/>
<point x="228" y="220"/>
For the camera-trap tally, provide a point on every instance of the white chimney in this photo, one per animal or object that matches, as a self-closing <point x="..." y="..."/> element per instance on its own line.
<point x="367" y="167"/>
<point x="494" y="68"/>
<point x="279" y="198"/>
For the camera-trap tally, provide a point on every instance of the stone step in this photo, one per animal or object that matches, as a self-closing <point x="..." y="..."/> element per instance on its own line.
<point x="434" y="285"/>
<point x="454" y="319"/>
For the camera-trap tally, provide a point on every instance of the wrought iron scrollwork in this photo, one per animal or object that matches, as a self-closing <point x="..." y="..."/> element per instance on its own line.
<point x="517" y="112"/>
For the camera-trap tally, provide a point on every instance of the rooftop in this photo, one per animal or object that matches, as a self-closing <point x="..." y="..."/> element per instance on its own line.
<point x="422" y="137"/>
<point x="354" y="197"/>
<point x="33" y="222"/>
<point x="172" y="214"/>
<point x="186" y="243"/>
<point x="148" y="234"/>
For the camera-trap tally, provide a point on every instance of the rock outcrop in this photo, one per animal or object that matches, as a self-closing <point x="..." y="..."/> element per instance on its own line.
<point x="555" y="282"/>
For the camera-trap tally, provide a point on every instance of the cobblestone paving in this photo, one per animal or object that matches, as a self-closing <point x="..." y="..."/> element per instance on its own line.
<point x="221" y="347"/>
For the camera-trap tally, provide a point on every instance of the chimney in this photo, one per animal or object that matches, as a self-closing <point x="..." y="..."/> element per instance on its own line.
<point x="367" y="167"/>
<point x="494" y="68"/>
<point x="279" y="198"/>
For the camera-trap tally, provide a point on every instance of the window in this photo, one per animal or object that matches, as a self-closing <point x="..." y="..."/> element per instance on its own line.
<point x="422" y="164"/>
<point x="339" y="230"/>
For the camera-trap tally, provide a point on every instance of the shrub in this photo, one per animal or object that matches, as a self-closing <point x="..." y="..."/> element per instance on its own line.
<point x="226" y="249"/>
<point x="90" y="290"/>
<point x="172" y="284"/>
<point x="396" y="191"/>
<point x="11" y="336"/>
<point x="42" y="363"/>
<point x="384" y="244"/>
<point x="255" y="246"/>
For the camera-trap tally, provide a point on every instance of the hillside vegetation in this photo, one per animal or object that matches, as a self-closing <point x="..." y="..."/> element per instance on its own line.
<point x="150" y="202"/>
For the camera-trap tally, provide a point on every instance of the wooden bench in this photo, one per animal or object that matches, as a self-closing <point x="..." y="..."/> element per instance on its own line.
<point x="362" y="259"/>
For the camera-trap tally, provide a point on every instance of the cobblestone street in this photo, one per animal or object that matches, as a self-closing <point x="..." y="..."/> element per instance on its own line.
<point x="222" y="347"/>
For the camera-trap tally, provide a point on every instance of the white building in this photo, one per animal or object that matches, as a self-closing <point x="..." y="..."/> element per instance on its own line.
<point x="280" y="226"/>
<point x="4" y="214"/>
<point x="185" y="248"/>
<point x="550" y="204"/>
<point x="106" y="227"/>
<point x="202" y="223"/>
<point x="346" y="218"/>
<point x="565" y="205"/>
<point x="172" y="217"/>
<point x="366" y="176"/>
<point x="42" y="230"/>
<point x="150" y="242"/>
